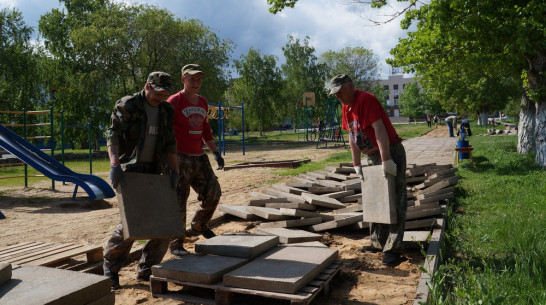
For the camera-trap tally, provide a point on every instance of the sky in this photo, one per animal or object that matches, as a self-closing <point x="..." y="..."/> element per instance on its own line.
<point x="330" y="24"/>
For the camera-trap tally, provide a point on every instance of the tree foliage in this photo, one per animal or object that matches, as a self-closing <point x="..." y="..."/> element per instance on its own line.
<point x="412" y="101"/>
<point x="102" y="50"/>
<point x="302" y="72"/>
<point x="258" y="87"/>
<point x="361" y="64"/>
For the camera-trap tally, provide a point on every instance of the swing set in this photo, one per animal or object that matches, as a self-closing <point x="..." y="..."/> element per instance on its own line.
<point x="221" y="113"/>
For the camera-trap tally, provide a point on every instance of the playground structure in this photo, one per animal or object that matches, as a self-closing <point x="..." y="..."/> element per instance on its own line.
<point x="95" y="187"/>
<point x="304" y="117"/>
<point x="330" y="124"/>
<point x="222" y="112"/>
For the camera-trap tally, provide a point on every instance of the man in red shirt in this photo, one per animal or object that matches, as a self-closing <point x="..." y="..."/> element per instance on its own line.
<point x="191" y="128"/>
<point x="371" y="133"/>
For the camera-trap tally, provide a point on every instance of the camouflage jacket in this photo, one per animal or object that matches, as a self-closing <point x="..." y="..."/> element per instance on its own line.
<point x="128" y="128"/>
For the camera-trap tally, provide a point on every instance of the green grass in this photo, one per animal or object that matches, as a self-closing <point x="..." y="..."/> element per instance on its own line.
<point x="495" y="242"/>
<point x="411" y="130"/>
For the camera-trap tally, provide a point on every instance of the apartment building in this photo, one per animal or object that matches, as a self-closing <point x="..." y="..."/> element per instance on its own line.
<point x="395" y="85"/>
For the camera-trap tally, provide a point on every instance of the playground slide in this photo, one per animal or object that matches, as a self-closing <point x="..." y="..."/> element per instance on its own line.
<point x="95" y="187"/>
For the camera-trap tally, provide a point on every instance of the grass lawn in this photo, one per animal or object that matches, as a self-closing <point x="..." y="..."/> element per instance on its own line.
<point x="495" y="250"/>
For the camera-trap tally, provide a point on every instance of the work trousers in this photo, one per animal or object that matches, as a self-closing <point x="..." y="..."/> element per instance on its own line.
<point x="117" y="248"/>
<point x="389" y="236"/>
<point x="196" y="172"/>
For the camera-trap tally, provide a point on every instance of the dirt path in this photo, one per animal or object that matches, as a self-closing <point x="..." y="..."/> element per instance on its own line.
<point x="39" y="214"/>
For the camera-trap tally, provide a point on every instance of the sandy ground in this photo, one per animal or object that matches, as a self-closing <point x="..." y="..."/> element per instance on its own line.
<point x="40" y="214"/>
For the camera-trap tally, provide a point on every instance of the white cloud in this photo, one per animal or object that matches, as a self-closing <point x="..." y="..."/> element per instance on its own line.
<point x="331" y="25"/>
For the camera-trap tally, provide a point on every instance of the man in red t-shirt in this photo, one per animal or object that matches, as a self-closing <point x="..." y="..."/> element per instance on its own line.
<point x="191" y="128"/>
<point x="371" y="133"/>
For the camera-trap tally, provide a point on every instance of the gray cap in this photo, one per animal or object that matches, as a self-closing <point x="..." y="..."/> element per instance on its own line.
<point x="338" y="81"/>
<point x="191" y="69"/>
<point x="160" y="81"/>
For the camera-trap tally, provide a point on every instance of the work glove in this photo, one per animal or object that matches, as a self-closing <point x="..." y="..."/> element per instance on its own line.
<point x="117" y="176"/>
<point x="174" y="179"/>
<point x="389" y="167"/>
<point x="358" y="170"/>
<point x="219" y="160"/>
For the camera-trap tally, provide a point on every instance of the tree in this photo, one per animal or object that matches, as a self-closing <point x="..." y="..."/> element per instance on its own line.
<point x="18" y="87"/>
<point x="104" y="50"/>
<point x="258" y="87"/>
<point x="510" y="33"/>
<point x="361" y="64"/>
<point x="302" y="73"/>
<point x="412" y="102"/>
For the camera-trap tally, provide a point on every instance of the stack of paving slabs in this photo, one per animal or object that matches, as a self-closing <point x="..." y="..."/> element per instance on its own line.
<point x="252" y="263"/>
<point x="319" y="201"/>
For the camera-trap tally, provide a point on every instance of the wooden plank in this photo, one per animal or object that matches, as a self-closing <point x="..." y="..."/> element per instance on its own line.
<point x="18" y="246"/>
<point x="93" y="253"/>
<point x="27" y="259"/>
<point x="24" y="251"/>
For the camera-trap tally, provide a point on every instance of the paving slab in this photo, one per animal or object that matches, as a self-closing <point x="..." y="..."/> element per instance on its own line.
<point x="325" y="189"/>
<point x="285" y="269"/>
<point x="144" y="202"/>
<point x="425" y="213"/>
<point x="263" y="202"/>
<point x="345" y="220"/>
<point x="36" y="285"/>
<point x="290" y="236"/>
<point x="5" y="272"/>
<point x="322" y="201"/>
<point x="416" y="236"/>
<point x="340" y="194"/>
<point x="237" y="245"/>
<point x="290" y="223"/>
<point x="237" y="210"/>
<point x="437" y="198"/>
<point x="307" y="214"/>
<point x="267" y="213"/>
<point x="197" y="268"/>
<point x="290" y="197"/>
<point x="378" y="199"/>
<point x="291" y="205"/>
<point x="435" y="193"/>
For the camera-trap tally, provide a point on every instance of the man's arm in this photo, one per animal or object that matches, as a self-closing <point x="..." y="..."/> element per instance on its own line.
<point x="113" y="154"/>
<point x="172" y="160"/>
<point x="212" y="146"/>
<point x="382" y="140"/>
<point x="355" y="152"/>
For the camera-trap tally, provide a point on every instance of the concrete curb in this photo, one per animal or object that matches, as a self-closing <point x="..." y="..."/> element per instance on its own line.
<point x="431" y="262"/>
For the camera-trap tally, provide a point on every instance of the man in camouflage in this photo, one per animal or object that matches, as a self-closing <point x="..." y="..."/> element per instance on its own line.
<point x="141" y="136"/>
<point x="191" y="130"/>
<point x="371" y="133"/>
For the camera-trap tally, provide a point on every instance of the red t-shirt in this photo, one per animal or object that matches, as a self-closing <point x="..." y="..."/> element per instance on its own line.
<point x="190" y="124"/>
<point x="359" y="117"/>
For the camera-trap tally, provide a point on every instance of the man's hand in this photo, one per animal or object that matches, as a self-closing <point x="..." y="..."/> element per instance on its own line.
<point x="219" y="160"/>
<point x="117" y="176"/>
<point x="389" y="167"/>
<point x="174" y="179"/>
<point x="358" y="170"/>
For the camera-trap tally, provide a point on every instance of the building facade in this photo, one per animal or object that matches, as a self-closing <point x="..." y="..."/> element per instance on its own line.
<point x="395" y="84"/>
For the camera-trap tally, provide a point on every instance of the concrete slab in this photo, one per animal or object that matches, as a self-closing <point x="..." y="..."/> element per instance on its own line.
<point x="285" y="269"/>
<point x="203" y="269"/>
<point x="5" y="272"/>
<point x="288" y="196"/>
<point x="291" y="205"/>
<point x="378" y="200"/>
<point x="146" y="201"/>
<point x="307" y="214"/>
<point x="36" y="285"/>
<point x="341" y="222"/>
<point x="435" y="193"/>
<point x="290" y="223"/>
<point x="437" y="198"/>
<point x="290" y="236"/>
<point x="340" y="194"/>
<point x="263" y="202"/>
<point x="237" y="245"/>
<point x="237" y="210"/>
<point x="425" y="213"/>
<point x="325" y="189"/>
<point x="323" y="201"/>
<point x="267" y="213"/>
<point x="416" y="236"/>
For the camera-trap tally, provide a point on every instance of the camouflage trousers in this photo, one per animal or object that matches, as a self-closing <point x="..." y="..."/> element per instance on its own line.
<point x="117" y="248"/>
<point x="196" y="172"/>
<point x="389" y="236"/>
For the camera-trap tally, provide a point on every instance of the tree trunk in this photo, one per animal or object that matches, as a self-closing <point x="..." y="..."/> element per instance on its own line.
<point x="537" y="87"/>
<point x="482" y="118"/>
<point x="526" y="126"/>
<point x="540" y="134"/>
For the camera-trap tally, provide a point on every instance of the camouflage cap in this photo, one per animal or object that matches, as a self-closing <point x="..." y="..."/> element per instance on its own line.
<point x="160" y="81"/>
<point x="338" y="81"/>
<point x="191" y="69"/>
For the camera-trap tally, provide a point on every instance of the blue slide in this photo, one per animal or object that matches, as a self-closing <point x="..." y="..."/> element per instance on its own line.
<point x="95" y="187"/>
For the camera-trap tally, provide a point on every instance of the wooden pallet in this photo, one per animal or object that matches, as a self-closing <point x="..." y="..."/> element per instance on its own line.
<point x="62" y="256"/>
<point x="218" y="294"/>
